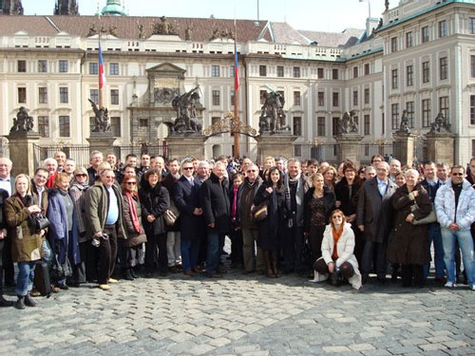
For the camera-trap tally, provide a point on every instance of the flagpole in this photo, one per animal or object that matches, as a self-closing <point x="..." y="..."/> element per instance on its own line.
<point x="236" y="96"/>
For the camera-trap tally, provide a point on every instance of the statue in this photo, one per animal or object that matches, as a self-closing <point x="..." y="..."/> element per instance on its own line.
<point x="440" y="123"/>
<point x="272" y="113"/>
<point x="188" y="32"/>
<point x="404" y="127"/>
<point x="23" y="122"/>
<point x="141" y="31"/>
<point x="101" y="122"/>
<point x="347" y="123"/>
<point x="92" y="31"/>
<point x="165" y="25"/>
<point x="185" y="106"/>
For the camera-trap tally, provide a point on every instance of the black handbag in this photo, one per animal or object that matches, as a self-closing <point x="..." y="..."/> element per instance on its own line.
<point x="41" y="221"/>
<point x="259" y="212"/>
<point x="60" y="271"/>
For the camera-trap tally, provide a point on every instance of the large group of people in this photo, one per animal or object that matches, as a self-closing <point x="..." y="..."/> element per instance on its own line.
<point x="339" y="223"/>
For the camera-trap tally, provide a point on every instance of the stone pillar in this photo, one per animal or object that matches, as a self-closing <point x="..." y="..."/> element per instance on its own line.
<point x="440" y="147"/>
<point x="274" y="145"/>
<point x="101" y="141"/>
<point x="24" y="151"/>
<point x="186" y="145"/>
<point x="349" y="148"/>
<point x="403" y="147"/>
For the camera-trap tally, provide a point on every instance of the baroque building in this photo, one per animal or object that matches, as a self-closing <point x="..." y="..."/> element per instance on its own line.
<point x="419" y="57"/>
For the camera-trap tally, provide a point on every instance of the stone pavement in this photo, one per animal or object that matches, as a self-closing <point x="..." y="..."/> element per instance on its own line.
<point x="242" y="315"/>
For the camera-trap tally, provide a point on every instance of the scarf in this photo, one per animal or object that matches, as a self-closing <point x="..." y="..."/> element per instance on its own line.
<point x="133" y="212"/>
<point x="234" y="206"/>
<point x="336" y="237"/>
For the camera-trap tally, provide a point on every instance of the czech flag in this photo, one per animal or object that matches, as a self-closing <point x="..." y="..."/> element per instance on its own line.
<point x="102" y="77"/>
<point x="236" y="68"/>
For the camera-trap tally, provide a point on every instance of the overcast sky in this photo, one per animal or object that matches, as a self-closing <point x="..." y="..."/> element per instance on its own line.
<point x="315" y="15"/>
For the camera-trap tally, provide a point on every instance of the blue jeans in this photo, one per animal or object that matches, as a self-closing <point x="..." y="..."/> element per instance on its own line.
<point x="47" y="252"/>
<point x="189" y="252"/>
<point x="26" y="274"/>
<point x="464" y="238"/>
<point x="436" y="237"/>
<point x="213" y="253"/>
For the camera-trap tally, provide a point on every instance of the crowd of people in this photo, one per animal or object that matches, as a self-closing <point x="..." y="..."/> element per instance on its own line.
<point x="151" y="218"/>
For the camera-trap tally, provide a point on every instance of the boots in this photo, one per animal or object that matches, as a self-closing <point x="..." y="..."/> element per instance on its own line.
<point x="4" y="302"/>
<point x="29" y="301"/>
<point x="20" y="303"/>
<point x="267" y="259"/>
<point x="128" y="274"/>
<point x="275" y="260"/>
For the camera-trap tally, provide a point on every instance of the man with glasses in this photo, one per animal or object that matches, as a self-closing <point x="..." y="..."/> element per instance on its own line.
<point x="455" y="209"/>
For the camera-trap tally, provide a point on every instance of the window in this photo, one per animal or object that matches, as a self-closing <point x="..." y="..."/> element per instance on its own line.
<point x="297" y="126"/>
<point x="410" y="113"/>
<point x="22" y="95"/>
<point x="409" y="40"/>
<point x="410" y="76"/>
<point x="115" y="126"/>
<point x="444" y="106"/>
<point x="395" y="116"/>
<point x="355" y="97"/>
<point x="280" y="71"/>
<point x="320" y="73"/>
<point x="297" y="98"/>
<point x="366" y="69"/>
<point x="21" y="66"/>
<point x="114" y="96"/>
<point x="321" y="126"/>
<point x="216" y="97"/>
<point x="442" y="28"/>
<point x="426" y="119"/>
<point x="63" y="95"/>
<point x="231" y="71"/>
<point x="143" y="122"/>
<point x="43" y="95"/>
<point x="443" y="68"/>
<point x="231" y="97"/>
<point x="471" y="26"/>
<point x="94" y="96"/>
<point x="42" y="66"/>
<point x="335" y="125"/>
<point x="93" y="68"/>
<point x="114" y="68"/>
<point x="366" y="125"/>
<point x="425" y="34"/>
<point x="425" y="72"/>
<point x="366" y="96"/>
<point x="263" y="71"/>
<point x="321" y="98"/>
<point x="394" y="44"/>
<point x="215" y="71"/>
<point x="335" y="74"/>
<point x="355" y="72"/>
<point x="63" y="66"/>
<point x="472" y="109"/>
<point x="64" y="130"/>
<point x="394" y="79"/>
<point x="43" y="126"/>
<point x="472" y="66"/>
<point x="336" y="99"/>
<point x="296" y="72"/>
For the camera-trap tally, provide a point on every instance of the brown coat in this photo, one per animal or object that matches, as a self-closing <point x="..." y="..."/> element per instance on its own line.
<point x="133" y="237"/>
<point x="26" y="246"/>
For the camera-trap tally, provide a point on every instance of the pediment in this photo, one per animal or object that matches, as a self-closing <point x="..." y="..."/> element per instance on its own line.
<point x="166" y="68"/>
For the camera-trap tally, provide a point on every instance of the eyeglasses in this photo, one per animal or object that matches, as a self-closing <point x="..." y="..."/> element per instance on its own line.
<point x="131" y="183"/>
<point x="81" y="175"/>
<point x="187" y="168"/>
<point x="457" y="174"/>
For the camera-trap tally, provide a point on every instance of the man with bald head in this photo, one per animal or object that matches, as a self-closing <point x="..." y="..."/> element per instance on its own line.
<point x="394" y="167"/>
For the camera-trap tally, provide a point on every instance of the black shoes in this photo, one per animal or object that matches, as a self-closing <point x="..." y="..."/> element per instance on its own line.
<point x="29" y="301"/>
<point x="4" y="302"/>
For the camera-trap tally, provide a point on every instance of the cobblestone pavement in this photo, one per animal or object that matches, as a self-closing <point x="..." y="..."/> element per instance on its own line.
<point x="242" y="315"/>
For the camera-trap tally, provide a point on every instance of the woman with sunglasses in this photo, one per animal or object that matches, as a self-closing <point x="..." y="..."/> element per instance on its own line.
<point x="338" y="260"/>
<point x="133" y="227"/>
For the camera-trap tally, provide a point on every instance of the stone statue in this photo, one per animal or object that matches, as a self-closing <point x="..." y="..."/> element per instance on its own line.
<point x="101" y="122"/>
<point x="165" y="25"/>
<point x="188" y="32"/>
<point x="439" y="123"/>
<point x="141" y="31"/>
<point x="272" y="117"/>
<point x="386" y="5"/>
<point x="347" y="123"/>
<point x="185" y="106"/>
<point x="404" y="127"/>
<point x="92" y="31"/>
<point x="23" y="122"/>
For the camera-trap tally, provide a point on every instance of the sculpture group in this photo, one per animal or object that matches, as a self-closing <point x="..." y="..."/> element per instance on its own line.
<point x="22" y="122"/>
<point x="186" y="118"/>
<point x="272" y="117"/>
<point x="101" y="120"/>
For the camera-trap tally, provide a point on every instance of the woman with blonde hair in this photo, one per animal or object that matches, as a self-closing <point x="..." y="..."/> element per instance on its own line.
<point x="329" y="177"/>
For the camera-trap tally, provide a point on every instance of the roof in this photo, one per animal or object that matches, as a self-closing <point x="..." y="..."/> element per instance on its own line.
<point x="347" y="38"/>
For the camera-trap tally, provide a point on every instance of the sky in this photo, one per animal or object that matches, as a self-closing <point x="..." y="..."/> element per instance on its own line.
<point x="313" y="15"/>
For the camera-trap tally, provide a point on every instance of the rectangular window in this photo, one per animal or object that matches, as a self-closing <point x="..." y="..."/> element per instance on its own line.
<point x="472" y="66"/>
<point x="320" y="73"/>
<point x="335" y="74"/>
<point x="63" y="95"/>
<point x="64" y="129"/>
<point x="94" y="95"/>
<point x="394" y="79"/>
<point x="216" y="97"/>
<point x="472" y="109"/>
<point x="115" y="126"/>
<point x="335" y="125"/>
<point x="425" y="72"/>
<point x="280" y="71"/>
<point x="443" y="68"/>
<point x="444" y="106"/>
<point x="143" y="122"/>
<point x="426" y="119"/>
<point x="215" y="71"/>
<point x="114" y="68"/>
<point x="367" y="125"/>
<point x="22" y="95"/>
<point x="263" y="71"/>
<point x="231" y="72"/>
<point x="43" y="95"/>
<point x="366" y="69"/>
<point x="297" y="98"/>
<point x="471" y="27"/>
<point x="42" y="66"/>
<point x="410" y="76"/>
<point x="355" y="72"/>
<point x="21" y="66"/>
<point x="410" y="113"/>
<point x="63" y="66"/>
<point x="395" y="116"/>
<point x="394" y="44"/>
<point x="425" y="34"/>
<point x="114" y="96"/>
<point x="297" y="126"/>
<point x="366" y="96"/>
<point x="355" y="97"/>
<point x="321" y="98"/>
<point x="336" y="99"/>
<point x="409" y="40"/>
<point x="321" y="126"/>
<point x="93" y="68"/>
<point x="43" y="126"/>
<point x="296" y="72"/>
<point x="442" y="28"/>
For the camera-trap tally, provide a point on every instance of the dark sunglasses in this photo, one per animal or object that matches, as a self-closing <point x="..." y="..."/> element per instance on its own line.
<point x="131" y="183"/>
<point x="187" y="168"/>
<point x="457" y="174"/>
<point x="81" y="175"/>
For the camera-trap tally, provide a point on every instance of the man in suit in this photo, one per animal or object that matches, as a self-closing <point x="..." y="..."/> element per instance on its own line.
<point x="186" y="196"/>
<point x="7" y="182"/>
<point x="374" y="217"/>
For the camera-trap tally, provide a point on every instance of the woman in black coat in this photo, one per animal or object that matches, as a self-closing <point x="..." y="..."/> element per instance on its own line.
<point x="271" y="229"/>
